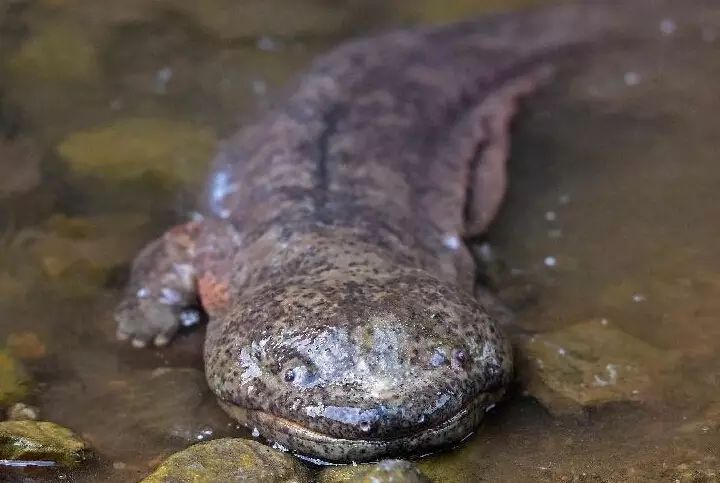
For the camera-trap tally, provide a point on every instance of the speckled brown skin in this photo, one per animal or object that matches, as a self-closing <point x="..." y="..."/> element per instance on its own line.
<point x="331" y="262"/>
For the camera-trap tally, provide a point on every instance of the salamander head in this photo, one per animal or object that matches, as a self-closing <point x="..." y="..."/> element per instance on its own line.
<point x="348" y="368"/>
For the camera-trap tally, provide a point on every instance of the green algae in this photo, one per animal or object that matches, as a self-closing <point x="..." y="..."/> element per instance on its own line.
<point x="42" y="440"/>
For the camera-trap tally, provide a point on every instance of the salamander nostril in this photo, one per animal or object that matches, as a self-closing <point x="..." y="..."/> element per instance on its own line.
<point x="290" y="375"/>
<point x="459" y="357"/>
<point x="365" y="425"/>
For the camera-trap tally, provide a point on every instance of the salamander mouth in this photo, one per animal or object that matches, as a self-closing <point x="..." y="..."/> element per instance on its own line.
<point x="325" y="448"/>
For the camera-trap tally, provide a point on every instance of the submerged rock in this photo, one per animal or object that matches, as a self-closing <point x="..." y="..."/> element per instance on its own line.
<point x="22" y="412"/>
<point x="19" y="167"/>
<point x="175" y="151"/>
<point x="14" y="382"/>
<point x="25" y="345"/>
<point x="57" y="52"/>
<point x="41" y="440"/>
<point x="88" y="244"/>
<point x="700" y="468"/>
<point x="229" y="459"/>
<point x="590" y="364"/>
<point x="66" y="257"/>
<point x="77" y="255"/>
<point x="708" y="421"/>
<point x="387" y="471"/>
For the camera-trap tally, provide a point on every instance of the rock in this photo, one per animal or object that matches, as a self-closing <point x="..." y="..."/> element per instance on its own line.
<point x="57" y="52"/>
<point x="14" y="382"/>
<point x="67" y="257"/>
<point x="19" y="167"/>
<point x="590" y="364"/>
<point x="712" y="415"/>
<point x="19" y="272"/>
<point x="699" y="470"/>
<point x="554" y="475"/>
<point x="41" y="440"/>
<point x="54" y="71"/>
<point x="22" y="412"/>
<point x="229" y="459"/>
<point x="13" y="287"/>
<point x="387" y="471"/>
<point x="708" y="421"/>
<point x="25" y="345"/>
<point x="176" y="151"/>
<point x="77" y="255"/>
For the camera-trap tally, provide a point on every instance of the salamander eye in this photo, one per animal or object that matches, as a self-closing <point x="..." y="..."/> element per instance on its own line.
<point x="299" y="373"/>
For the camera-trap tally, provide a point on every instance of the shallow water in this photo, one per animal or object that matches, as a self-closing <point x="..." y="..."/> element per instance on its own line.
<point x="611" y="215"/>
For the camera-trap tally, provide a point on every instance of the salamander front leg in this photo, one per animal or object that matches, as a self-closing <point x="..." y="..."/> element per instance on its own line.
<point x="161" y="295"/>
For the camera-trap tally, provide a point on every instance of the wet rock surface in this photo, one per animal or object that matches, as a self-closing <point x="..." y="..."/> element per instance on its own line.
<point x="588" y="365"/>
<point x="22" y="412"/>
<point x="44" y="441"/>
<point x="230" y="459"/>
<point x="387" y="471"/>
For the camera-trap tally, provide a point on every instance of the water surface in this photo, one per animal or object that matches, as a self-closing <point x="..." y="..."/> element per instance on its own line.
<point x="612" y="214"/>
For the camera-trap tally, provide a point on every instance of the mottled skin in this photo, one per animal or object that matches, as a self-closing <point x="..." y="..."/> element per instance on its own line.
<point x="342" y="322"/>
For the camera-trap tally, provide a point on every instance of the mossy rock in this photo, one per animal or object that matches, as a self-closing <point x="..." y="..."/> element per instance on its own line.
<point x="41" y="440"/>
<point x="14" y="382"/>
<point x="175" y="151"/>
<point x="230" y="459"/>
<point x="388" y="471"/>
<point x="591" y="364"/>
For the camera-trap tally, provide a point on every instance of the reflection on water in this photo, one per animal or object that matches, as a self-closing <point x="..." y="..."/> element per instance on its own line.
<point x="611" y="216"/>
